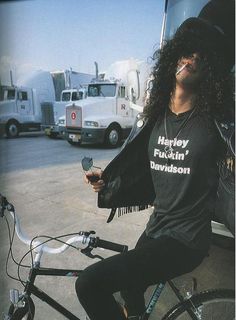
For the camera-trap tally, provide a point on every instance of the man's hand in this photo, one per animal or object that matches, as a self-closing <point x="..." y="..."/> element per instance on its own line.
<point x="93" y="178"/>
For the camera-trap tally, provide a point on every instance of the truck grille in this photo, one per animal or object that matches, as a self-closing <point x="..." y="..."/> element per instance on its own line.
<point x="73" y="116"/>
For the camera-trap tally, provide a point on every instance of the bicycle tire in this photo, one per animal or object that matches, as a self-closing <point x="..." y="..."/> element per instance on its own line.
<point x="201" y="305"/>
<point x="25" y="313"/>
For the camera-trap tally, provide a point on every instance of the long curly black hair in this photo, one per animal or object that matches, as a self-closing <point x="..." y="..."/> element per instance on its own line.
<point x="214" y="95"/>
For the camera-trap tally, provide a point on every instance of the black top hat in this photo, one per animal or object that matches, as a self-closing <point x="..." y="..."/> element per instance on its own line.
<point x="215" y="26"/>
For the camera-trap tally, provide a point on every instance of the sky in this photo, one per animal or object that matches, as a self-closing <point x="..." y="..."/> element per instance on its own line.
<point x="61" y="34"/>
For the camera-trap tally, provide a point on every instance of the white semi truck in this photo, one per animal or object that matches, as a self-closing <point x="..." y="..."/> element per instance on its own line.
<point x="29" y="104"/>
<point x="21" y="105"/>
<point x="108" y="113"/>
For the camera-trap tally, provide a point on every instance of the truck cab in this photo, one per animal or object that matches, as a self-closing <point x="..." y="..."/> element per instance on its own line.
<point x="114" y="99"/>
<point x="17" y="110"/>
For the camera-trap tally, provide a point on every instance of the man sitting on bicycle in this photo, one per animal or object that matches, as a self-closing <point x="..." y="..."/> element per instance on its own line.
<point x="169" y="161"/>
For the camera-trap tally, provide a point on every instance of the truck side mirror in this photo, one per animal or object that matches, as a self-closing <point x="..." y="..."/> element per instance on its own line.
<point x="134" y="85"/>
<point x="133" y="95"/>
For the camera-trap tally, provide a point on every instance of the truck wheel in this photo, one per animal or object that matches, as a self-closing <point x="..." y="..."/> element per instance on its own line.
<point x="12" y="129"/>
<point x="53" y="135"/>
<point x="113" y="136"/>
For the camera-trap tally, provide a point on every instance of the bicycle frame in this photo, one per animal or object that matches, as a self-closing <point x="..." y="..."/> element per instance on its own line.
<point x="152" y="302"/>
<point x="30" y="288"/>
<point x="156" y="295"/>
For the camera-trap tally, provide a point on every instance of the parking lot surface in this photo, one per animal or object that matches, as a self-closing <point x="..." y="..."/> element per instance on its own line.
<point x="43" y="178"/>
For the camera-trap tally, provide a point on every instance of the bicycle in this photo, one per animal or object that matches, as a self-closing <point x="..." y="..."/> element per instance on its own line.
<point x="210" y="304"/>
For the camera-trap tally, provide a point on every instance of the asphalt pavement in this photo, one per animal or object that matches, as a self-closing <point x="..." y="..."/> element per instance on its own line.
<point x="43" y="178"/>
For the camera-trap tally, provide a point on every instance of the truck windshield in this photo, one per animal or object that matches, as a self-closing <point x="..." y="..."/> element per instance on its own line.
<point x="59" y="83"/>
<point x="178" y="11"/>
<point x="102" y="90"/>
<point x="65" y="96"/>
<point x="11" y="94"/>
<point x="7" y="94"/>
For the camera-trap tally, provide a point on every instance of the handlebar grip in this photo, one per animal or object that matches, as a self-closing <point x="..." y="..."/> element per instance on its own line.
<point x="111" y="245"/>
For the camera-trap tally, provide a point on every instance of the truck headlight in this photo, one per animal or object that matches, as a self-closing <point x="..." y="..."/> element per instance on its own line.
<point x="91" y="124"/>
<point x="61" y="121"/>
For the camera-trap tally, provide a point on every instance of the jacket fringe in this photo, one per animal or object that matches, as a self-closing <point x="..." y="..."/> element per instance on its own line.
<point x="124" y="210"/>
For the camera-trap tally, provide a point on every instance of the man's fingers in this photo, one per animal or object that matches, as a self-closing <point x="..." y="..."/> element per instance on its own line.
<point x="98" y="186"/>
<point x="90" y="178"/>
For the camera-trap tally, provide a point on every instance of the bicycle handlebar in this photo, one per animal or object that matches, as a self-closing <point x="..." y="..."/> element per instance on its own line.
<point x="38" y="246"/>
<point x="82" y="239"/>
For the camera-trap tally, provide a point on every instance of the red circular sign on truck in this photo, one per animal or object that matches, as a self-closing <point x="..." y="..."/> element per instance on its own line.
<point x="73" y="115"/>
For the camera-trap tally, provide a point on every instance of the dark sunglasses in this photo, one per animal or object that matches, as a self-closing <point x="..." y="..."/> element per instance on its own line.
<point x="87" y="164"/>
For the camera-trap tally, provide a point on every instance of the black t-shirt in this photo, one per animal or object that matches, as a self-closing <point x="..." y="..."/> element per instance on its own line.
<point x="185" y="185"/>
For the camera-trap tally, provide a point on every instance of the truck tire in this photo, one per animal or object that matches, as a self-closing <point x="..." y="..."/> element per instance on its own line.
<point x="12" y="129"/>
<point x="113" y="136"/>
<point x="53" y="135"/>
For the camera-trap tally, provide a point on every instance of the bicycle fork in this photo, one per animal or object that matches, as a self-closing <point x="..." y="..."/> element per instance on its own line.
<point x="19" y="299"/>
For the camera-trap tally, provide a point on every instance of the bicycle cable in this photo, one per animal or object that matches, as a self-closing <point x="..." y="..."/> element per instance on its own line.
<point x="11" y="236"/>
<point x="10" y="252"/>
<point x="49" y="238"/>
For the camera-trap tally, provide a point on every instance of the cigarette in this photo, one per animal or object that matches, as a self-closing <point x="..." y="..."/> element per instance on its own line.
<point x="181" y="69"/>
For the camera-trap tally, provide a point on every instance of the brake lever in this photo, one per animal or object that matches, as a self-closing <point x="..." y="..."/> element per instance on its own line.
<point x="5" y="205"/>
<point x="88" y="252"/>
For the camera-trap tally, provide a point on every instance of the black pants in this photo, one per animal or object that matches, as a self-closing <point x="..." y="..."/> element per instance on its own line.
<point x="152" y="261"/>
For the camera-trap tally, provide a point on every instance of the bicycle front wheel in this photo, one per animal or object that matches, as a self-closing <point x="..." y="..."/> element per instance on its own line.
<point x="216" y="304"/>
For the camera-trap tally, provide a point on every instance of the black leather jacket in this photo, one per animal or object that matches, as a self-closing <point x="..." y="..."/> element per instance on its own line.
<point x="128" y="179"/>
